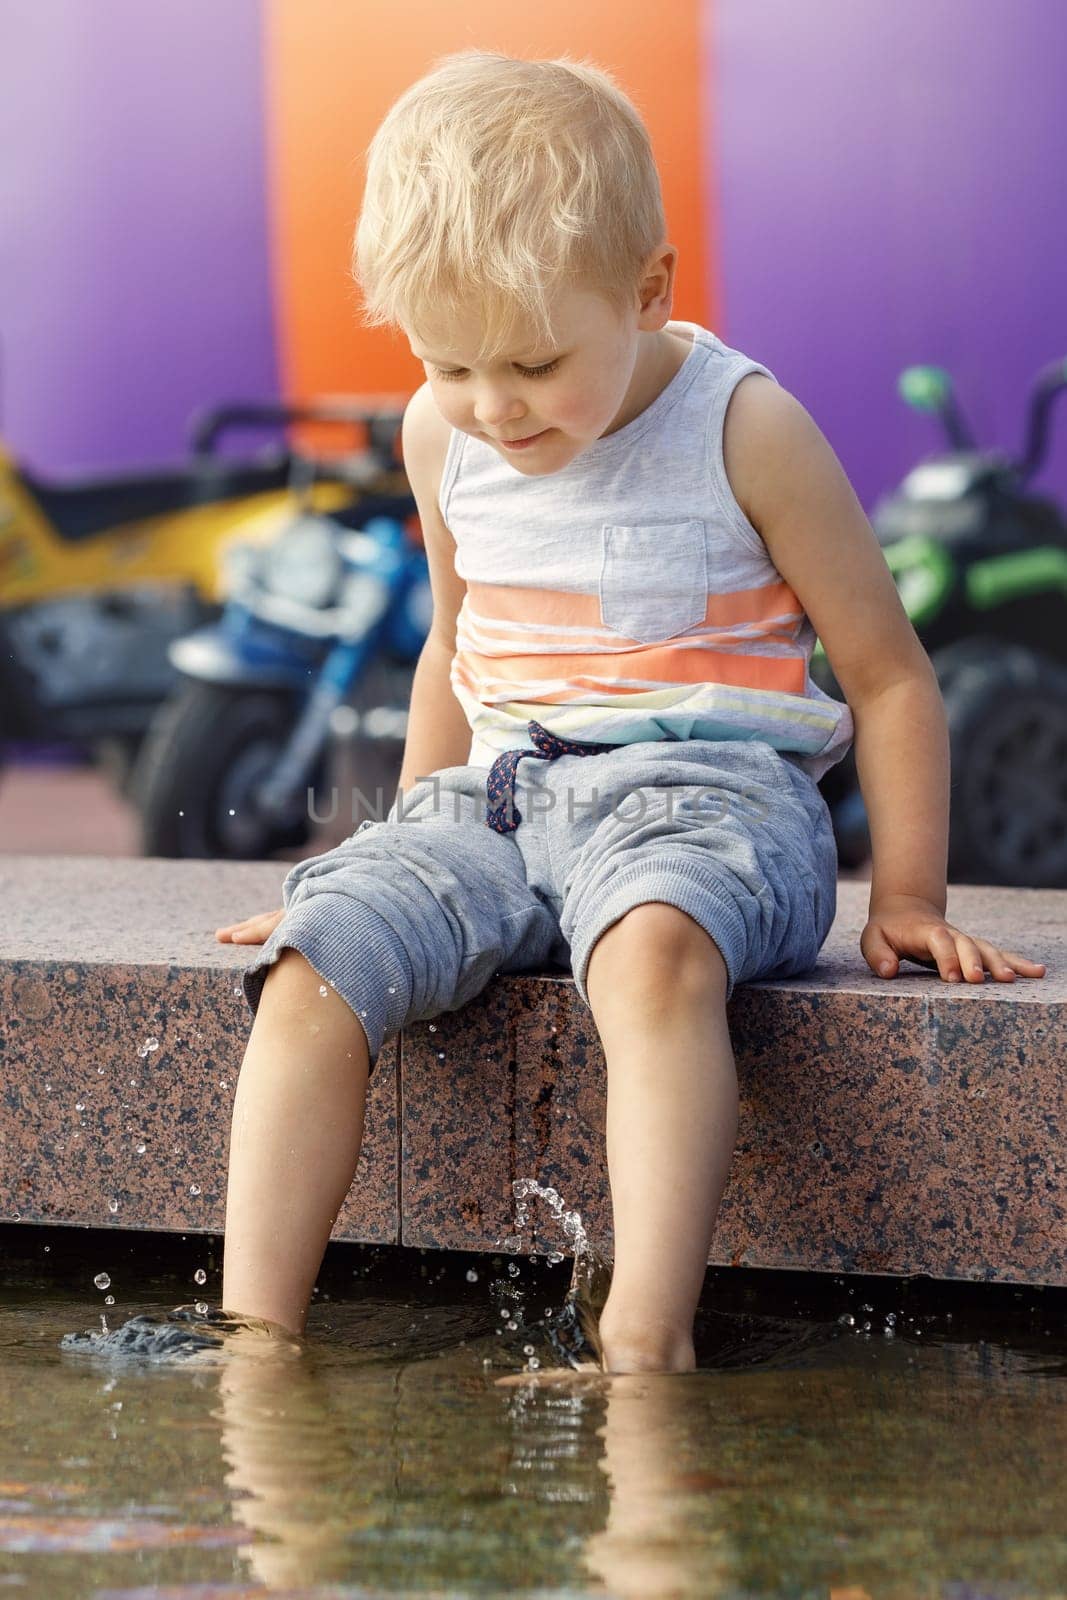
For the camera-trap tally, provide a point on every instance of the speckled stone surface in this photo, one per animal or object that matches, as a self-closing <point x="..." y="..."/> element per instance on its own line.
<point x="899" y="1126"/>
<point x="98" y="958"/>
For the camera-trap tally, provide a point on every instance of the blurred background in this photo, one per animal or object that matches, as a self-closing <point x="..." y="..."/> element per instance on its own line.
<point x="212" y="587"/>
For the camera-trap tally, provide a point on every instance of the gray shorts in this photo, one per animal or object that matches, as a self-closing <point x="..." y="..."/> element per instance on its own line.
<point x="414" y="914"/>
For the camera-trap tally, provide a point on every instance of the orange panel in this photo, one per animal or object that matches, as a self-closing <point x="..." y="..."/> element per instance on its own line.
<point x="333" y="69"/>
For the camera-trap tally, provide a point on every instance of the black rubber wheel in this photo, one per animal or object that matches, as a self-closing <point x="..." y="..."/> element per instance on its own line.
<point x="951" y="659"/>
<point x="1007" y="718"/>
<point x="207" y="747"/>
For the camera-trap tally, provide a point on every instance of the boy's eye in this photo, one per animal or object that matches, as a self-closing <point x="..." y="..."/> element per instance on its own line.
<point x="527" y="372"/>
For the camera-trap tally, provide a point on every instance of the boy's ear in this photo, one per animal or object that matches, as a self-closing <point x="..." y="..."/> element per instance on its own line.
<point x="656" y="292"/>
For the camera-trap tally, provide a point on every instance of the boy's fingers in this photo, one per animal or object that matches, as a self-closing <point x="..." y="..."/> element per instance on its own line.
<point x="1003" y="964"/>
<point x="1021" y="962"/>
<point x="970" y="960"/>
<point x="253" y="930"/>
<point x="942" y="946"/>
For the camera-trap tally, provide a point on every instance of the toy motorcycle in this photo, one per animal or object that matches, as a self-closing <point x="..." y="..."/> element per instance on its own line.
<point x="328" y="621"/>
<point x="99" y="577"/>
<point x="981" y="568"/>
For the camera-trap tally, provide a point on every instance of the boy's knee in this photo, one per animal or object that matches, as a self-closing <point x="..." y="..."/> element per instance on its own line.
<point x="292" y="973"/>
<point x="660" y="948"/>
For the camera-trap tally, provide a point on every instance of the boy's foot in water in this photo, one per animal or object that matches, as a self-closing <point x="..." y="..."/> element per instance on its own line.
<point x="183" y="1335"/>
<point x="574" y="1335"/>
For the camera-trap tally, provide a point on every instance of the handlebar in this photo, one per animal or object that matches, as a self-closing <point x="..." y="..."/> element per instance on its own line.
<point x="381" y="417"/>
<point x="1050" y="380"/>
<point x="930" y="389"/>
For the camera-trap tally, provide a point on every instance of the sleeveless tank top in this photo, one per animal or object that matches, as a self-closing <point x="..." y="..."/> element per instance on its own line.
<point x="626" y="597"/>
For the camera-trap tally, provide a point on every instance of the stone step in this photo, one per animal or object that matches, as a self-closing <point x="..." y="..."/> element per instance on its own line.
<point x="909" y="1126"/>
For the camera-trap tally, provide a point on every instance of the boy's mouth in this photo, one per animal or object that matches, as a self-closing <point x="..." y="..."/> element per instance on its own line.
<point x="521" y="444"/>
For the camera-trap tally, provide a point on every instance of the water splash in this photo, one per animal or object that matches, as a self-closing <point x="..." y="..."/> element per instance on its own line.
<point x="570" y="1221"/>
<point x="574" y="1333"/>
<point x="189" y="1332"/>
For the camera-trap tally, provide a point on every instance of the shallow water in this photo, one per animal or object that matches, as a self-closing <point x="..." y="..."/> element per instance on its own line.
<point x="808" y="1457"/>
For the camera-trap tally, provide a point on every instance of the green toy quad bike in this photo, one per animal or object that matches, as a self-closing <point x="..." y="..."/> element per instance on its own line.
<point x="981" y="568"/>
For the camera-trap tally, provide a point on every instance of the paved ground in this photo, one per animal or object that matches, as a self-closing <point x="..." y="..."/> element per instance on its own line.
<point x="72" y="810"/>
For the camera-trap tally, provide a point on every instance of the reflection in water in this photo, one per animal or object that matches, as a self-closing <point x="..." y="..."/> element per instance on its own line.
<point x="384" y="1458"/>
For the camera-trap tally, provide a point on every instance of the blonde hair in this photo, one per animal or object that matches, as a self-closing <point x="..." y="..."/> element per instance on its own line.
<point x="493" y="182"/>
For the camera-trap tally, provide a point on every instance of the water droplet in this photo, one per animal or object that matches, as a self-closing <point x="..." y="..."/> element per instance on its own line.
<point x="237" y="988"/>
<point x="533" y="1362"/>
<point x="513" y="1270"/>
<point x="102" y="1281"/>
<point x="181" y="813"/>
<point x="511" y="1324"/>
<point x="847" y="1321"/>
<point x="322" y="988"/>
<point x="223" y="1083"/>
<point x="199" y="1276"/>
<point x="194" y="1188"/>
<point x="527" y="1349"/>
<point x="440" y="1055"/>
<point x="232" y="812"/>
<point x="472" y="1276"/>
<point x="202" y="1308"/>
<point x="433" y="1027"/>
<point x="112" y="1206"/>
<point x="866" y="1308"/>
<point x="140" y="1148"/>
<point x="392" y="988"/>
<point x="100" y="1070"/>
<point x="109" y="1299"/>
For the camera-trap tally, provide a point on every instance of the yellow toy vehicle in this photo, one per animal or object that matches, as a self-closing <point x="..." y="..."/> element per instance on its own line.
<point x="97" y="578"/>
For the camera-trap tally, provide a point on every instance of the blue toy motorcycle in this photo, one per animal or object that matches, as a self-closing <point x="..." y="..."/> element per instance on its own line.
<point x="321" y="628"/>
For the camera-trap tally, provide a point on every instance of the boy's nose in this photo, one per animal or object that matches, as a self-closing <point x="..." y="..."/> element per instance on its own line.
<point x="493" y="412"/>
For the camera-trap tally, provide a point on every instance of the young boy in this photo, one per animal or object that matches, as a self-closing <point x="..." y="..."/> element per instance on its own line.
<point x="634" y="537"/>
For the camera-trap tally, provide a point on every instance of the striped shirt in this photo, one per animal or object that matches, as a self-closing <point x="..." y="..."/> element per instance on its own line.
<point x="626" y="597"/>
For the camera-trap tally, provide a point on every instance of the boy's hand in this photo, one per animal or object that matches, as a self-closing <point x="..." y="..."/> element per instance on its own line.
<point x="903" y="925"/>
<point x="253" y="930"/>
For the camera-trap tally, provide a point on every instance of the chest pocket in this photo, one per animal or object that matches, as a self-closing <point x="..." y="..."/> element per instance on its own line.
<point x="653" y="579"/>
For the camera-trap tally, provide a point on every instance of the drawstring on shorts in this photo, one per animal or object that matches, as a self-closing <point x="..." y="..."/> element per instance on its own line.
<point x="501" y="813"/>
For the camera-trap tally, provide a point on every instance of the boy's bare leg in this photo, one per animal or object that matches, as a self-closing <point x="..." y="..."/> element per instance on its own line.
<point x="294" y="1142"/>
<point x="657" y="989"/>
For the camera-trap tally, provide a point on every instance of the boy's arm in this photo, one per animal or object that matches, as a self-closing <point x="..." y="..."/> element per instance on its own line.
<point x="792" y="488"/>
<point x="438" y="732"/>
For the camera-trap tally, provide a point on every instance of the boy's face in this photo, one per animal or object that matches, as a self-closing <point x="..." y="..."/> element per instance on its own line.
<point x="599" y="365"/>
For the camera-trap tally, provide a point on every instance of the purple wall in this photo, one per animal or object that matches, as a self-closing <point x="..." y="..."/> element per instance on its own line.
<point x="893" y="189"/>
<point x="133" y="260"/>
